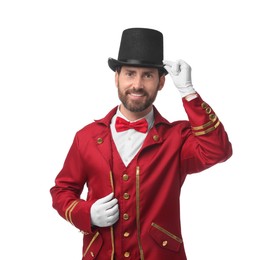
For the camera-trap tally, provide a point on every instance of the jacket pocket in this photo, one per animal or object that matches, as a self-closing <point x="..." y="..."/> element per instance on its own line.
<point x="164" y="238"/>
<point x="92" y="246"/>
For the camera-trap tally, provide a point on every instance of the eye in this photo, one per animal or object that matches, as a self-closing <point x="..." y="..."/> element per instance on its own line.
<point x="148" y="75"/>
<point x="129" y="73"/>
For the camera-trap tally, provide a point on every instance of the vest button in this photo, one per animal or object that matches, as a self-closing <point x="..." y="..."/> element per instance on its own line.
<point x="126" y="196"/>
<point x="126" y="234"/>
<point x="127" y="254"/>
<point x="125" y="177"/>
<point x="156" y="138"/>
<point x="125" y="216"/>
<point x="164" y="243"/>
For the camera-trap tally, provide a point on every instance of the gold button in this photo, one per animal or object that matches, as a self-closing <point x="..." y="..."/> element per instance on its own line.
<point x="204" y="105"/>
<point x="126" y="234"/>
<point x="164" y="243"/>
<point x="127" y="254"/>
<point x="125" y="216"/>
<point x="156" y="138"/>
<point x="212" y="117"/>
<point x="125" y="177"/>
<point x="99" y="140"/>
<point x="208" y="110"/>
<point x="126" y="196"/>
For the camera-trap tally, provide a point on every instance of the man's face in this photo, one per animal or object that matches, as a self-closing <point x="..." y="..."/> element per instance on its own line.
<point x="138" y="87"/>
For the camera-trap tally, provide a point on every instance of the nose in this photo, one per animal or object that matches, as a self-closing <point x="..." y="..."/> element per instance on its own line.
<point x="137" y="83"/>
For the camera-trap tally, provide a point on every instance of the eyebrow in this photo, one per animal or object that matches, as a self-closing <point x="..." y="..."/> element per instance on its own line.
<point x="147" y="70"/>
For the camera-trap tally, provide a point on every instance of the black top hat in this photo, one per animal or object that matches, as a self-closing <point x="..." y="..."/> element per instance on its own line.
<point x="140" y="47"/>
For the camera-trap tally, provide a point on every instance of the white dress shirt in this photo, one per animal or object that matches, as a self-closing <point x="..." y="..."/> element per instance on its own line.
<point x="130" y="141"/>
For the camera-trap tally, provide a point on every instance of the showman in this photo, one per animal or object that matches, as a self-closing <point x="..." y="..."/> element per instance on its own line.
<point x="134" y="161"/>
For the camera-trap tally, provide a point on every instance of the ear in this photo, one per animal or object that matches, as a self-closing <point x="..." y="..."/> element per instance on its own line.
<point x="116" y="76"/>
<point x="161" y="83"/>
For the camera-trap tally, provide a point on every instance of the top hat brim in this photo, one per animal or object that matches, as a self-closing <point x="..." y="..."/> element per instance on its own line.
<point x="113" y="64"/>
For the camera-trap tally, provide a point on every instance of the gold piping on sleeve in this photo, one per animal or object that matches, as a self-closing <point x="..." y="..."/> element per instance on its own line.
<point x="208" y="130"/>
<point x="138" y="212"/>
<point x="195" y="128"/>
<point x="69" y="211"/>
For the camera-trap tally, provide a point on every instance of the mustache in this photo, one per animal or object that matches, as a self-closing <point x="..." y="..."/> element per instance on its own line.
<point x="136" y="91"/>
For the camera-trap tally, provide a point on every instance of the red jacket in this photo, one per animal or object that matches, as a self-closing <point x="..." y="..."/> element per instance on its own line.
<point x="154" y="179"/>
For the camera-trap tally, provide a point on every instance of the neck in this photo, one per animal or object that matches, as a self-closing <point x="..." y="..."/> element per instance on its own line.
<point x="132" y="116"/>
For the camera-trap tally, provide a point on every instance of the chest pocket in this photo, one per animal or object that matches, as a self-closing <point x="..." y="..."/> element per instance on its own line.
<point x="164" y="238"/>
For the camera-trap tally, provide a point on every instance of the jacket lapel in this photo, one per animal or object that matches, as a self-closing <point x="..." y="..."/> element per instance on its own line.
<point x="102" y="136"/>
<point x="103" y="143"/>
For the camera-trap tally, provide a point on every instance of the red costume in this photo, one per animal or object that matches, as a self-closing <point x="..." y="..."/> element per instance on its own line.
<point x="148" y="189"/>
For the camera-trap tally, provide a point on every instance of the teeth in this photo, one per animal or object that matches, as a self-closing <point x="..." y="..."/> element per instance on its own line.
<point x="136" y="95"/>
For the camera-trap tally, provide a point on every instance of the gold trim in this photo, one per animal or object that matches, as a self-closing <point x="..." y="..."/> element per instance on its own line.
<point x="69" y="211"/>
<point x="208" y="130"/>
<point x="195" y="128"/>
<point x="111" y="228"/>
<point x="167" y="233"/>
<point x="111" y="180"/>
<point x="91" y="242"/>
<point x="112" y="239"/>
<point x="138" y="212"/>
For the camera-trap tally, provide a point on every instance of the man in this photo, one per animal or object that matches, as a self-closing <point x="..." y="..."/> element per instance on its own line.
<point x="134" y="161"/>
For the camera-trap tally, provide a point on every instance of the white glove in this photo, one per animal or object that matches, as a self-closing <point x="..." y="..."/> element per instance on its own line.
<point x="180" y="73"/>
<point x="104" y="212"/>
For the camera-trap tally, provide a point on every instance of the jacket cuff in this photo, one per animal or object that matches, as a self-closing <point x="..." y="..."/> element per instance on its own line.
<point x="202" y="118"/>
<point x="78" y="214"/>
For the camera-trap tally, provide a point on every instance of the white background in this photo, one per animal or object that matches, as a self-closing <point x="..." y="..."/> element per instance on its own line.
<point x="54" y="79"/>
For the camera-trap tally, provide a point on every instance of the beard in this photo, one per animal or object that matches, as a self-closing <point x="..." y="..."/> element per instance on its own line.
<point x="136" y="105"/>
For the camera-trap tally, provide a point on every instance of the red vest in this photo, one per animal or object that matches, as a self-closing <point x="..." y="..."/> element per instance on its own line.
<point x="126" y="230"/>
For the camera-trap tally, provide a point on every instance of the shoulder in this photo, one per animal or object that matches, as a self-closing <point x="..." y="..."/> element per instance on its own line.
<point x="162" y="123"/>
<point x="86" y="129"/>
<point x="98" y="125"/>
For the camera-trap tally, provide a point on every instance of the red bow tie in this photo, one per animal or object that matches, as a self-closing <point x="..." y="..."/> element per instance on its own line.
<point x="122" y="125"/>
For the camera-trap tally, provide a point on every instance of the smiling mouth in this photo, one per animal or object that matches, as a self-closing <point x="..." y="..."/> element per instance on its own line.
<point x="136" y="94"/>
